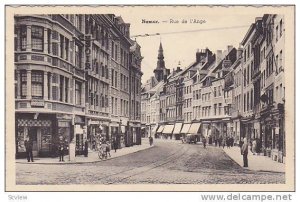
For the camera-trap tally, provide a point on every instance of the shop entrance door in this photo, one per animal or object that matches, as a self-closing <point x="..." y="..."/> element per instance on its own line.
<point x="33" y="136"/>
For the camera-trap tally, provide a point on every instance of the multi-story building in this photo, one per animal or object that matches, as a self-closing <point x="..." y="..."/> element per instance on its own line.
<point x="72" y="79"/>
<point x="135" y="76"/>
<point x="237" y="96"/>
<point x="272" y="88"/>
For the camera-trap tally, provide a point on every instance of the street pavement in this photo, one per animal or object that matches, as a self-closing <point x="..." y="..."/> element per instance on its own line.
<point x="92" y="156"/>
<point x="167" y="162"/>
<point x="255" y="162"/>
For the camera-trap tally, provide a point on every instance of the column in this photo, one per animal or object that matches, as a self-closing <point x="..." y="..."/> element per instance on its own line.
<point x="28" y="84"/>
<point x="45" y="40"/>
<point x="28" y="35"/>
<point x="18" y="84"/>
<point x="46" y="85"/>
<point x="50" y="86"/>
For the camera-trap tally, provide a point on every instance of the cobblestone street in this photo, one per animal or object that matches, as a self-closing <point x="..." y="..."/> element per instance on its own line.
<point x="166" y="162"/>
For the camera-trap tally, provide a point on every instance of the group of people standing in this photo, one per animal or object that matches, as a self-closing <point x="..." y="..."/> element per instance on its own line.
<point x="224" y="141"/>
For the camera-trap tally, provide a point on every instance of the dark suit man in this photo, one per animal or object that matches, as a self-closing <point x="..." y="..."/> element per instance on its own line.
<point x="28" y="146"/>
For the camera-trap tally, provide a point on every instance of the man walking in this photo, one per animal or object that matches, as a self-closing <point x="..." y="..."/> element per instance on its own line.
<point x="28" y="146"/>
<point x="61" y="148"/>
<point x="244" y="152"/>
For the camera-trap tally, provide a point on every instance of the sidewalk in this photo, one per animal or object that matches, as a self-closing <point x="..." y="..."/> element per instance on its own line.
<point x="92" y="156"/>
<point x="255" y="162"/>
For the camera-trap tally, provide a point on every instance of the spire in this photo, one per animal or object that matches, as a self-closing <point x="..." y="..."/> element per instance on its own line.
<point x="160" y="57"/>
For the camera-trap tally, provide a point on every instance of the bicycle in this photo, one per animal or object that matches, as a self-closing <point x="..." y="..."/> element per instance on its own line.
<point x="102" y="154"/>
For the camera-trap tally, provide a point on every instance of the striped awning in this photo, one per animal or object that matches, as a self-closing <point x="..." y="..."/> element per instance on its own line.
<point x="194" y="128"/>
<point x="160" y="129"/>
<point x="168" y="129"/>
<point x="185" y="128"/>
<point x="177" y="128"/>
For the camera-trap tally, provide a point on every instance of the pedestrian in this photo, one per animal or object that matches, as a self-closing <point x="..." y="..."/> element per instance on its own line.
<point x="115" y="143"/>
<point x="254" y="145"/>
<point x="216" y="142"/>
<point x="204" y="142"/>
<point x="244" y="152"/>
<point x="220" y="141"/>
<point x="61" y="148"/>
<point x="227" y="143"/>
<point x="86" y="149"/>
<point x="223" y="142"/>
<point x="28" y="146"/>
<point x="108" y="148"/>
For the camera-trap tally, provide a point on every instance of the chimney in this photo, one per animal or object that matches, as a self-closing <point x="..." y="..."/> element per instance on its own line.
<point x="229" y="48"/>
<point x="219" y="56"/>
<point x="198" y="56"/>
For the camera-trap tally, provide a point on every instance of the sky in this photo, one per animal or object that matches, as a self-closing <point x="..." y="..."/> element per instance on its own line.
<point x="221" y="28"/>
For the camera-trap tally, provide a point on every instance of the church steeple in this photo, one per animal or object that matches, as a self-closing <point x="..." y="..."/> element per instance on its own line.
<point x="160" y="58"/>
<point x="160" y="70"/>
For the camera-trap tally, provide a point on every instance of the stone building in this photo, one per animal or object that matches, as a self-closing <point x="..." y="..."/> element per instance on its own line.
<point x="72" y="79"/>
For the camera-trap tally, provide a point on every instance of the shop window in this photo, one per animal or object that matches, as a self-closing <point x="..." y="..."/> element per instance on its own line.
<point x="37" y="38"/>
<point x="37" y="84"/>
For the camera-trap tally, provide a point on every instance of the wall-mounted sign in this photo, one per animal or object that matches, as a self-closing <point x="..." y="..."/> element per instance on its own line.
<point x="88" y="51"/>
<point x="37" y="103"/>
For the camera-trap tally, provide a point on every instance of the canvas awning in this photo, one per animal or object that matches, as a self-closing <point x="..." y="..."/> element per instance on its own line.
<point x="168" y="129"/>
<point x="154" y="129"/>
<point x="185" y="128"/>
<point x="177" y="128"/>
<point x="160" y="129"/>
<point x="194" y="128"/>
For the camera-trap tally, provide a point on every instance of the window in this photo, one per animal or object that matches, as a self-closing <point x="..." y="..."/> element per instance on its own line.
<point x="215" y="91"/>
<point x="77" y="93"/>
<point x="23" y="75"/>
<point x="37" y="38"/>
<point x="280" y="28"/>
<point x="248" y="74"/>
<point x="37" y="84"/>
<point x="78" y="55"/>
<point x="66" y="89"/>
<point x="116" y="79"/>
<point x="280" y="61"/>
<point x="277" y="63"/>
<point x="276" y="34"/>
<point x="61" y="88"/>
<point x="251" y="100"/>
<point x="220" y="108"/>
<point x="215" y="109"/>
<point x="245" y="79"/>
<point x="23" y="37"/>
<point x="247" y="101"/>
<point x="67" y="48"/>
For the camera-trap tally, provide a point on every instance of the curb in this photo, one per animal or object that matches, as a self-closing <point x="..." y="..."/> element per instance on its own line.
<point x="247" y="168"/>
<point x="95" y="161"/>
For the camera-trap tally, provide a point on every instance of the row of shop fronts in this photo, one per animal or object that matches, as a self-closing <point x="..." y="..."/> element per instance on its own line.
<point x="44" y="131"/>
<point x="267" y="130"/>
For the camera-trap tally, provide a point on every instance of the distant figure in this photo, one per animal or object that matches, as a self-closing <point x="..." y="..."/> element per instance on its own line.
<point x="220" y="141"/>
<point x="204" y="142"/>
<point x="61" y="148"/>
<point x="115" y="143"/>
<point x="223" y="142"/>
<point x="28" y="146"/>
<point x="244" y="152"/>
<point x="86" y="149"/>
<point x="151" y="140"/>
<point x="216" y="142"/>
<point x="108" y="148"/>
<point x="254" y="145"/>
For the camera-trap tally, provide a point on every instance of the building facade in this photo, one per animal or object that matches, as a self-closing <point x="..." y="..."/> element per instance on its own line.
<point x="72" y="79"/>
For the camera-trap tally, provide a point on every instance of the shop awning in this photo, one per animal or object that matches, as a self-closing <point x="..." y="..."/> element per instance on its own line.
<point x="168" y="129"/>
<point x="194" y="128"/>
<point x="123" y="129"/>
<point x="160" y="129"/>
<point x="154" y="129"/>
<point x="177" y="128"/>
<point x="185" y="128"/>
